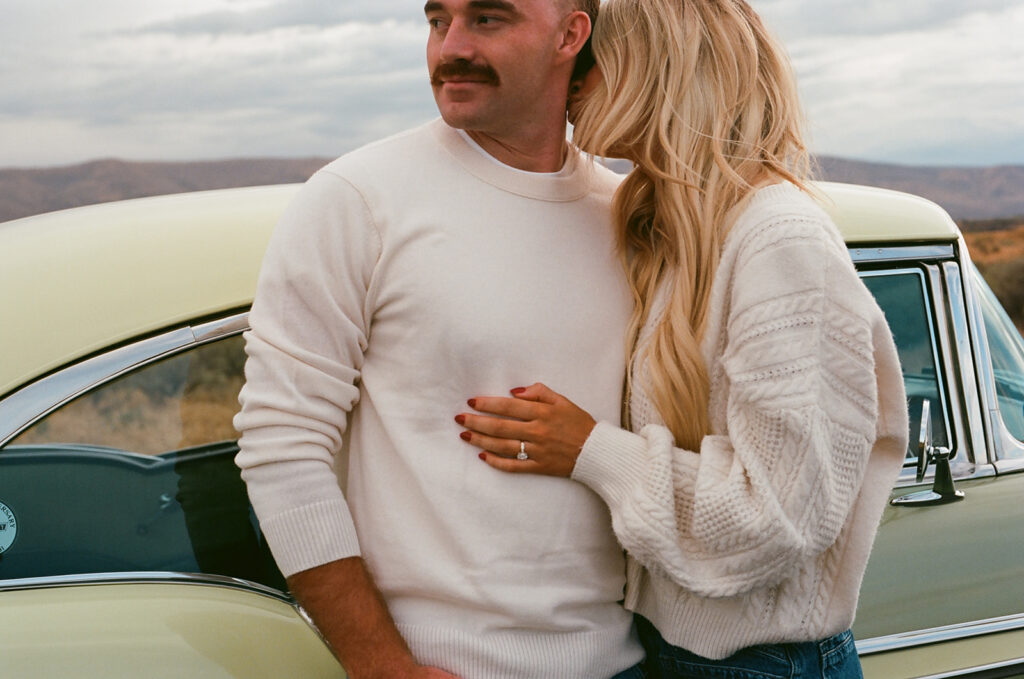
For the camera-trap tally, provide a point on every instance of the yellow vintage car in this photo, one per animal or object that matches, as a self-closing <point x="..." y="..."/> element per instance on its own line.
<point x="127" y="544"/>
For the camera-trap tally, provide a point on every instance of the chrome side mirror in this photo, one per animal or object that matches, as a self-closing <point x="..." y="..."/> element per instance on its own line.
<point x="943" y="490"/>
<point x="924" y="439"/>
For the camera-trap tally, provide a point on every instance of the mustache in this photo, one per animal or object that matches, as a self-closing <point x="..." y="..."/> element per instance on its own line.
<point x="460" y="68"/>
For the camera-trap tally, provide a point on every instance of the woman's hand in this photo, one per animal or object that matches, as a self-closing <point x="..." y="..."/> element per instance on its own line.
<point x="546" y="426"/>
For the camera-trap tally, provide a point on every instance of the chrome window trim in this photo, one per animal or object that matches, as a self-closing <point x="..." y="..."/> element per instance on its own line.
<point x="962" y="458"/>
<point x="977" y="432"/>
<point x="31" y="403"/>
<point x="983" y="358"/>
<point x="887" y="253"/>
<point x="222" y="327"/>
<point x="1009" y="466"/>
<point x="978" y="669"/>
<point x="965" y="630"/>
<point x="1007" y="441"/>
<point x="144" y="577"/>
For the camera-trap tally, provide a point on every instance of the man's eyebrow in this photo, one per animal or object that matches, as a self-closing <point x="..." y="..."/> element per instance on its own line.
<point x="478" y="5"/>
<point x="500" y="5"/>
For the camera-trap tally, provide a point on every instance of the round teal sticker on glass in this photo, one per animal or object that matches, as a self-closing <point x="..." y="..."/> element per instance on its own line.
<point x="8" y="527"/>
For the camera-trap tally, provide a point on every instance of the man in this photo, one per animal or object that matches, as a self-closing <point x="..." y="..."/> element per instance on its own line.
<point x="463" y="257"/>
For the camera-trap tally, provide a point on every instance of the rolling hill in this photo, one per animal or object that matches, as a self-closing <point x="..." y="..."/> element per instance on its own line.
<point x="973" y="196"/>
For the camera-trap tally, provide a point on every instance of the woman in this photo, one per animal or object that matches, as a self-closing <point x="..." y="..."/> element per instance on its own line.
<point x="765" y="400"/>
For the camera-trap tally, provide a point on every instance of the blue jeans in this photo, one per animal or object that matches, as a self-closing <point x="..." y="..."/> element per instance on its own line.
<point x="832" y="658"/>
<point x="634" y="672"/>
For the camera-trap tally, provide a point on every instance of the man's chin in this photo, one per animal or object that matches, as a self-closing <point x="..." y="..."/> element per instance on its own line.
<point x="460" y="117"/>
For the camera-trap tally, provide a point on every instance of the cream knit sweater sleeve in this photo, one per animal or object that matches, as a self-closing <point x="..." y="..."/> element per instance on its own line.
<point x="794" y="409"/>
<point x="305" y="349"/>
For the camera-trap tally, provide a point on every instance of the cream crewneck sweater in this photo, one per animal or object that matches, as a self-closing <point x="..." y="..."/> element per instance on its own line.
<point x="406" y="277"/>
<point x="763" y="535"/>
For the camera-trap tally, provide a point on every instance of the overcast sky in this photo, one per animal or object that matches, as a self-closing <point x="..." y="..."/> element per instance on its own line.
<point x="921" y="82"/>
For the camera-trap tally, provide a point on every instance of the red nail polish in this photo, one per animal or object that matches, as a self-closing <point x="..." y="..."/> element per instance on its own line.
<point x="518" y="390"/>
<point x="472" y="403"/>
<point x="461" y="419"/>
<point x="482" y="456"/>
<point x="465" y="436"/>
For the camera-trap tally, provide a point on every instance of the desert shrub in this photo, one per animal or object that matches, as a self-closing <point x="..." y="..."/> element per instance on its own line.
<point x="1006" y="278"/>
<point x="186" y="400"/>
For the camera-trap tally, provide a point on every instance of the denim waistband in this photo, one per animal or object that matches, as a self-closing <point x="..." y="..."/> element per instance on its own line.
<point x="832" y="658"/>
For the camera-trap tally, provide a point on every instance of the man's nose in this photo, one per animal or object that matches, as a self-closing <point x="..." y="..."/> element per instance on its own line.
<point x="458" y="43"/>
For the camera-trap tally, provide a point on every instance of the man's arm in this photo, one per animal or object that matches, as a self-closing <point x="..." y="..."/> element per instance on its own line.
<point x="350" y="613"/>
<point x="309" y="330"/>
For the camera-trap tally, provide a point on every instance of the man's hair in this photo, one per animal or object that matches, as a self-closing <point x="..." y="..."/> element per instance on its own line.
<point x="585" y="59"/>
<point x="588" y="6"/>
<point x="591" y="7"/>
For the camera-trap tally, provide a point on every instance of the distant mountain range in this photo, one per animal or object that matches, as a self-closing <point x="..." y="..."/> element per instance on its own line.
<point x="32" y="191"/>
<point x="978" y="198"/>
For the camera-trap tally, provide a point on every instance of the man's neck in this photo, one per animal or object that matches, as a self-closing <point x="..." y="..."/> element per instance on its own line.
<point x="545" y="153"/>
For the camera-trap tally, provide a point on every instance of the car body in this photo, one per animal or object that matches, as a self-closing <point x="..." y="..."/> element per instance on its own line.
<point x="129" y="545"/>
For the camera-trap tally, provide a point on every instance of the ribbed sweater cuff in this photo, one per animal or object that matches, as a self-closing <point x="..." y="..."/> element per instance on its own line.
<point x="310" y="536"/>
<point x="612" y="462"/>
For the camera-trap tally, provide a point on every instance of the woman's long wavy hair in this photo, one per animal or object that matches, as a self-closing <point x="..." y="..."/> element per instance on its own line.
<point x="703" y="101"/>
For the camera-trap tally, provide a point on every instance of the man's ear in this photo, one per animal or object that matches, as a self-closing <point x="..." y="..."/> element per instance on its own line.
<point x="575" y="34"/>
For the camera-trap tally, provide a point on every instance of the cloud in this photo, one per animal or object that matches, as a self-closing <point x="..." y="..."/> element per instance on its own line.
<point x="796" y="19"/>
<point x="289" y="13"/>
<point x="917" y="81"/>
<point x="284" y="91"/>
<point x="912" y="93"/>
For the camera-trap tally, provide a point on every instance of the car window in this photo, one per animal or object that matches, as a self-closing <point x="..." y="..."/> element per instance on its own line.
<point x="1006" y="351"/>
<point x="179" y="402"/>
<point x="137" y="475"/>
<point x="902" y="297"/>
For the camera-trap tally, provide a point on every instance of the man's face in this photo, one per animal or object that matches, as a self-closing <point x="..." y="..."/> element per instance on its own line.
<point x="492" y="62"/>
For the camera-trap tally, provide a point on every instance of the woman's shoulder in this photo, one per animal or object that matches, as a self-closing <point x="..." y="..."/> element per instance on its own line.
<point x="784" y="244"/>
<point x="778" y="205"/>
<point x="781" y="214"/>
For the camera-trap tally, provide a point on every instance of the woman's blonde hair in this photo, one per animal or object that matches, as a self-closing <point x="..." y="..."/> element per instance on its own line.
<point x="702" y="99"/>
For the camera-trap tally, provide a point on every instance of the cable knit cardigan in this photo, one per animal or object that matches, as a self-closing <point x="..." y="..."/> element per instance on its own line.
<point x="763" y="535"/>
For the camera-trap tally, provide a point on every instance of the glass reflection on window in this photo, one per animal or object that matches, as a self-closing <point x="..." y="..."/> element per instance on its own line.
<point x="1006" y="349"/>
<point x="179" y="402"/>
<point x="138" y="475"/>
<point x="901" y="295"/>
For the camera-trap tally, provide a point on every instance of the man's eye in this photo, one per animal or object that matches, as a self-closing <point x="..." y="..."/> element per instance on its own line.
<point x="436" y="23"/>
<point x="487" y="20"/>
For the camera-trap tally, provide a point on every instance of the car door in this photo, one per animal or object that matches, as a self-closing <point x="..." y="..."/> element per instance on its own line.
<point x="944" y="590"/>
<point x="127" y="543"/>
<point x="134" y="473"/>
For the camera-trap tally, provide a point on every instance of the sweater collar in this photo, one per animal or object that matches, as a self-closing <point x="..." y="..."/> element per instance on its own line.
<point x="572" y="184"/>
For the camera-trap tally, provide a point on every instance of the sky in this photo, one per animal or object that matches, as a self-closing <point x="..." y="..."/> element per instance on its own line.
<point x="915" y="82"/>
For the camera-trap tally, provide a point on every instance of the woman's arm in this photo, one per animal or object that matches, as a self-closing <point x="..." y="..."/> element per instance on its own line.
<point x="776" y="486"/>
<point x="543" y="425"/>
